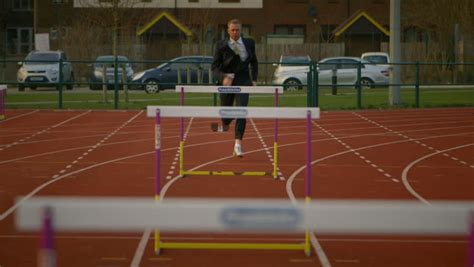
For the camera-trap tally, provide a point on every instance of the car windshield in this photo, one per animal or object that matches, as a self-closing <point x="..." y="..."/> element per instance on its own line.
<point x="376" y="59"/>
<point x="50" y="58"/>
<point x="294" y="60"/>
<point x="105" y="59"/>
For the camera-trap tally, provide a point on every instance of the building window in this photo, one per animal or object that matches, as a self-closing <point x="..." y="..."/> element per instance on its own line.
<point x="19" y="40"/>
<point x="289" y="29"/>
<point x="193" y="1"/>
<point x="22" y="4"/>
<point x="333" y="1"/>
<point x="229" y="1"/>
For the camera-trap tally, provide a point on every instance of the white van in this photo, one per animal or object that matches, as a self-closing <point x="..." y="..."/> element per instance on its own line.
<point x="378" y="58"/>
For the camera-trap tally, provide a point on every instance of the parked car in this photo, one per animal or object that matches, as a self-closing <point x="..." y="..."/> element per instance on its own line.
<point x="165" y="76"/>
<point x="107" y="63"/>
<point x="41" y="69"/>
<point x="378" y="58"/>
<point x="371" y="75"/>
<point x="346" y="67"/>
<point x="289" y="66"/>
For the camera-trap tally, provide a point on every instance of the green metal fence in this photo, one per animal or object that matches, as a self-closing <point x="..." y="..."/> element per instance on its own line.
<point x="424" y="84"/>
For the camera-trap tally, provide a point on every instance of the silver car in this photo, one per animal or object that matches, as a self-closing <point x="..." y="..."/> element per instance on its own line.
<point x="345" y="69"/>
<point x="291" y="71"/>
<point x="41" y="69"/>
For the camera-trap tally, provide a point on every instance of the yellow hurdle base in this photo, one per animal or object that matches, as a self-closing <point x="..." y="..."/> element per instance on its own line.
<point x="226" y="173"/>
<point x="269" y="246"/>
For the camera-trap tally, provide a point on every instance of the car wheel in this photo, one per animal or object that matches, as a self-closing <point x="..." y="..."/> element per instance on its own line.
<point x="152" y="86"/>
<point x="366" y="83"/>
<point x="292" y="84"/>
<point x="33" y="87"/>
<point x="21" y="88"/>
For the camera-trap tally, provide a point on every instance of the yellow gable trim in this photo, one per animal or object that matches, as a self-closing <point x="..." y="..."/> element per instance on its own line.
<point x="375" y="23"/>
<point x="175" y="22"/>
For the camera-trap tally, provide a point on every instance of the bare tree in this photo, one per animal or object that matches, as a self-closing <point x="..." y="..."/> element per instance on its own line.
<point x="438" y="19"/>
<point x="202" y="23"/>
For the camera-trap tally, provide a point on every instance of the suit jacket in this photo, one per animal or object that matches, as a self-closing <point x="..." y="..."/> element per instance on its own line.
<point x="226" y="61"/>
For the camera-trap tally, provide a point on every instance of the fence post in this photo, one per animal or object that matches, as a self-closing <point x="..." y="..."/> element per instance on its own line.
<point x="125" y="82"/>
<point x="104" y="83"/>
<point x="316" y="84"/>
<point x="60" y="85"/>
<point x="116" y="85"/>
<point x="334" y="81"/>
<point x="358" y="86"/>
<point x="309" y="85"/>
<point x="417" y="85"/>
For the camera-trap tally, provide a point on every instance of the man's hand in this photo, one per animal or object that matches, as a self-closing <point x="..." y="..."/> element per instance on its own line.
<point x="227" y="81"/>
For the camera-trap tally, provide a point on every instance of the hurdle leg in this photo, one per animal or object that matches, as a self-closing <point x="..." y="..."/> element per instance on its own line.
<point x="275" y="143"/>
<point x="157" y="243"/>
<point x="47" y="254"/>
<point x="307" y="246"/>
<point x="3" y="93"/>
<point x="181" y="136"/>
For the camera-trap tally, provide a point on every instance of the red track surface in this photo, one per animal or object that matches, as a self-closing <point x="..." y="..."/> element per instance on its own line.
<point x="97" y="153"/>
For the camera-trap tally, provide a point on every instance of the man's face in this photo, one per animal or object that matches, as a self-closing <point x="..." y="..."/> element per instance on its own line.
<point x="234" y="31"/>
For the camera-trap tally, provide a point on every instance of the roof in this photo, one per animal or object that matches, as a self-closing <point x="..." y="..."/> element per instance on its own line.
<point x="359" y="21"/>
<point x="169" y="18"/>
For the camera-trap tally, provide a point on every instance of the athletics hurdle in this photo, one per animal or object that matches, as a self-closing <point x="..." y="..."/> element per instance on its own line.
<point x="3" y="94"/>
<point x="233" y="112"/>
<point x="276" y="90"/>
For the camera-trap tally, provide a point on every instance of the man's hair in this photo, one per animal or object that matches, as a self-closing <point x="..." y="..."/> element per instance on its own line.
<point x="234" y="21"/>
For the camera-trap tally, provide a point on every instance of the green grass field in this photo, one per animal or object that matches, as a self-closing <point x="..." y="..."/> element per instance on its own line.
<point x="345" y="99"/>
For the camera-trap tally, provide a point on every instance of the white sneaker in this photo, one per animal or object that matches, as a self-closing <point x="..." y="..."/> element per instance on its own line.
<point x="238" y="150"/>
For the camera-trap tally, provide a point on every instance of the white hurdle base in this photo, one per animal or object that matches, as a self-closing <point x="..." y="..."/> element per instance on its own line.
<point x="249" y="215"/>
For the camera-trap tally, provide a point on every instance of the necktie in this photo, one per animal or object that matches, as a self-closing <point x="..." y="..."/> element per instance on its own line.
<point x="235" y="47"/>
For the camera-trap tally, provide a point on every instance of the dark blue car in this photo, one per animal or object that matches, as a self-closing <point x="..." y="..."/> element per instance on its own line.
<point x="165" y="76"/>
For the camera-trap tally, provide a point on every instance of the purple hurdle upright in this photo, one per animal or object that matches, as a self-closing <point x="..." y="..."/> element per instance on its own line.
<point x="3" y="94"/>
<point x="275" y="142"/>
<point x="181" y="135"/>
<point x="471" y="242"/>
<point x="47" y="255"/>
<point x="307" y="249"/>
<point x="158" y="173"/>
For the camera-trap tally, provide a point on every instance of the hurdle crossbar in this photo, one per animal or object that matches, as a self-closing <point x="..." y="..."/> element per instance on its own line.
<point x="233" y="89"/>
<point x="233" y="112"/>
<point x="122" y="214"/>
<point x="93" y="214"/>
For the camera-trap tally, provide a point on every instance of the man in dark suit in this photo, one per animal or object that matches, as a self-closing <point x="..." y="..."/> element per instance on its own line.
<point x="235" y="63"/>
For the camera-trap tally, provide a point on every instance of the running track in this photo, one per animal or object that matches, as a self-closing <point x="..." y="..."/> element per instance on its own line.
<point x="425" y="155"/>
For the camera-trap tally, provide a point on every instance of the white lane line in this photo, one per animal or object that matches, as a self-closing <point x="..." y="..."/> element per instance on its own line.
<point x="137" y="257"/>
<point x="96" y="145"/>
<point x="410" y="139"/>
<point x="369" y="162"/>
<point x="176" y="157"/>
<point x="267" y="150"/>
<point x="406" y="183"/>
<point x="47" y="129"/>
<point x="19" y="116"/>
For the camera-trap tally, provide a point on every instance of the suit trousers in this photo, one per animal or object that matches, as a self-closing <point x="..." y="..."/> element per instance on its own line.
<point x="241" y="100"/>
